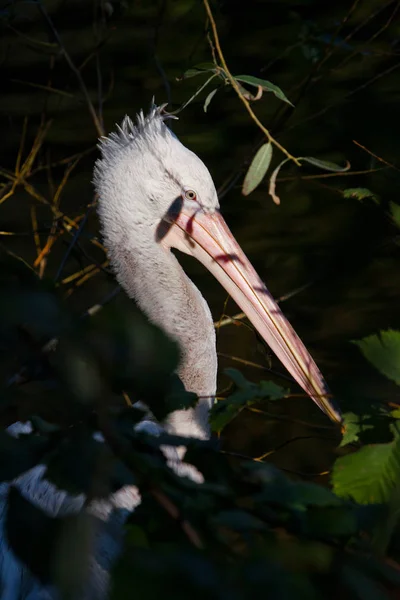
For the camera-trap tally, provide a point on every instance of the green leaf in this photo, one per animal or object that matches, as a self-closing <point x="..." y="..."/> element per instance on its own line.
<point x="360" y="585"/>
<point x="258" y="168"/>
<point x="339" y="521"/>
<point x="267" y="86"/>
<point x="31" y="533"/>
<point x="199" y="69"/>
<point x="136" y="536"/>
<point x="369" y="475"/>
<point x="360" y="194"/>
<point x="324" y="164"/>
<point x="353" y="426"/>
<point x="311" y="494"/>
<point x="271" y="390"/>
<point x="73" y="464"/>
<point x="239" y="520"/>
<point x="209" y="98"/>
<point x="177" y="398"/>
<point x="246" y="394"/>
<point x="395" y="210"/>
<point x="383" y="352"/>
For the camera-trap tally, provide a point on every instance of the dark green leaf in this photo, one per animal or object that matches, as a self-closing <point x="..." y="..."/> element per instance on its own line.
<point x="239" y="520"/>
<point x="247" y="393"/>
<point x="311" y="494"/>
<point x="137" y="356"/>
<point x="18" y="455"/>
<point x="395" y="211"/>
<point x="324" y="164"/>
<point x="199" y="69"/>
<point x="340" y="521"/>
<point x="362" y="586"/>
<point x="383" y="352"/>
<point x="56" y="550"/>
<point x="32" y="534"/>
<point x="258" y="168"/>
<point x="76" y="461"/>
<point x="360" y="194"/>
<point x="267" y="86"/>
<point x="136" y="536"/>
<point x="43" y="426"/>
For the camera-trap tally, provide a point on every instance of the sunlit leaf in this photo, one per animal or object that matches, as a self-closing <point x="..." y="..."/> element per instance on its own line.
<point x="267" y="86"/>
<point x="353" y="426"/>
<point x="360" y="194"/>
<point x="383" y="352"/>
<point x="369" y="475"/>
<point x="326" y="165"/>
<point x="258" y="168"/>
<point x="209" y="98"/>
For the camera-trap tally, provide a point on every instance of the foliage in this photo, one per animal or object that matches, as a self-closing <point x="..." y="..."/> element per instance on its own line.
<point x="258" y="168"/>
<point x="247" y="525"/>
<point x="370" y="475"/>
<point x="383" y="351"/>
<point x="246" y="394"/>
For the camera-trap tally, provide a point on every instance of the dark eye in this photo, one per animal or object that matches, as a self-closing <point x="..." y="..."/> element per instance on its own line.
<point x="190" y="195"/>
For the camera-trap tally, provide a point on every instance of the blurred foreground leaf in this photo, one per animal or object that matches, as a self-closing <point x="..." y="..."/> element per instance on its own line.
<point x="360" y="194"/>
<point x="18" y="455"/>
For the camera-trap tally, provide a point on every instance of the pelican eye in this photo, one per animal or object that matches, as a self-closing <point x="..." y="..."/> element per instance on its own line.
<point x="190" y="195"/>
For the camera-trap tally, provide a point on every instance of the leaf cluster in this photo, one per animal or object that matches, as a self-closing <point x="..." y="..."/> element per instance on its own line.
<point x="246" y="527"/>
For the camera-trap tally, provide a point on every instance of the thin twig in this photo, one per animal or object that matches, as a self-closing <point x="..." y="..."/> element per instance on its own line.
<point x="236" y="87"/>
<point x="379" y="158"/>
<point x="286" y="419"/>
<point x="73" y="242"/>
<point x="74" y="69"/>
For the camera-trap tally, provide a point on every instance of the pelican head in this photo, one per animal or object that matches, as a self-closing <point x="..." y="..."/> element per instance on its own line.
<point x="154" y="195"/>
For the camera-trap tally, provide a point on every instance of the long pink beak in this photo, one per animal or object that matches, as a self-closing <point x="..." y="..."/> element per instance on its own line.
<point x="206" y="236"/>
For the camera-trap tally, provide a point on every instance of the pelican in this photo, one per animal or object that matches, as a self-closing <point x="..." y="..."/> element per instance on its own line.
<point x="154" y="194"/>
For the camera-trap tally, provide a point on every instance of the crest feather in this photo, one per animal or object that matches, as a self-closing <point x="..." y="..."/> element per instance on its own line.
<point x="147" y="128"/>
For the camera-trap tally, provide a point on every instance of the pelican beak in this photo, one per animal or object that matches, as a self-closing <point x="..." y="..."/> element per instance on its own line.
<point x="206" y="236"/>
